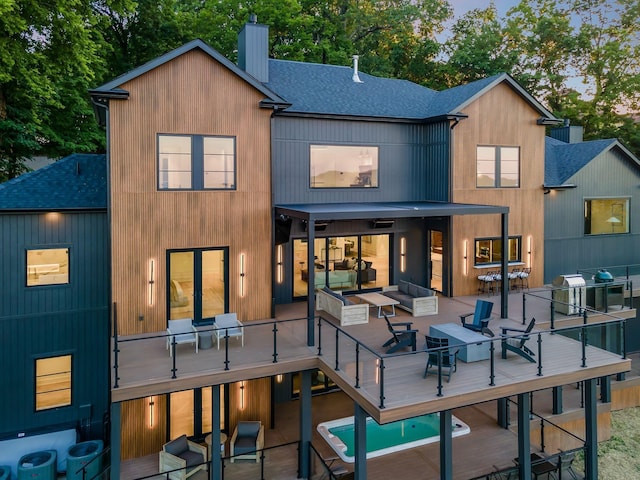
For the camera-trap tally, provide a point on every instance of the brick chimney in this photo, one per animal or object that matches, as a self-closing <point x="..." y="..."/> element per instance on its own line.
<point x="253" y="49"/>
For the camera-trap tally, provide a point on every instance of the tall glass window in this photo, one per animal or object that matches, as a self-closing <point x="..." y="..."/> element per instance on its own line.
<point x="497" y="167"/>
<point x="606" y="216"/>
<point x="341" y="166"/>
<point x="49" y="266"/>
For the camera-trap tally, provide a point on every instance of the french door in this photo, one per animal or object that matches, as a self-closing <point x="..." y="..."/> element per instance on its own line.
<point x="197" y="283"/>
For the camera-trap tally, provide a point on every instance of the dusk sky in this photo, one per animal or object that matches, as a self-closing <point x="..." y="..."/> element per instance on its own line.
<point x="462" y="6"/>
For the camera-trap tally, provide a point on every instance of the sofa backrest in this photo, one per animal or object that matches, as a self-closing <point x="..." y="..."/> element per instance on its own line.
<point x="248" y="429"/>
<point x="344" y="300"/>
<point x="177" y="446"/>
<point x="180" y="325"/>
<point x="226" y="320"/>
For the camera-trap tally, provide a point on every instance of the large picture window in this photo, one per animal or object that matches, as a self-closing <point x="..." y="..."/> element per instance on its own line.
<point x="488" y="251"/>
<point x="340" y="166"/>
<point x="53" y="382"/>
<point x="196" y="162"/>
<point x="497" y="167"/>
<point x="48" y="266"/>
<point x="606" y="216"/>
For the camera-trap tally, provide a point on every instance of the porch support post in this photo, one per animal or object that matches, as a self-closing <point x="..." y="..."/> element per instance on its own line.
<point x="557" y="400"/>
<point x="605" y="389"/>
<point x="116" y="420"/>
<point x="446" y="446"/>
<point x="504" y="293"/>
<point x="503" y="412"/>
<point x="304" y="461"/>
<point x="215" y="468"/>
<point x="360" y="424"/>
<point x="311" y="277"/>
<point x="524" y="436"/>
<point x="591" y="424"/>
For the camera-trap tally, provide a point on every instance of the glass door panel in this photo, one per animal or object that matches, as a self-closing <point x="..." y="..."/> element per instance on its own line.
<point x="213" y="291"/>
<point x="181" y="285"/>
<point x="206" y="409"/>
<point x="181" y="415"/>
<point x="435" y="261"/>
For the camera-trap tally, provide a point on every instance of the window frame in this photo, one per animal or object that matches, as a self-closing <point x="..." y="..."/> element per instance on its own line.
<point x="27" y="265"/>
<point x="371" y="183"/>
<point x="517" y="260"/>
<point x="197" y="156"/>
<point x="625" y="202"/>
<point x="498" y="166"/>
<point x="36" y="377"/>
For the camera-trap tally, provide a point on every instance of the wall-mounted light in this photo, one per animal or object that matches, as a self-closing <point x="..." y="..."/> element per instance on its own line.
<point x="152" y="281"/>
<point x="403" y="254"/>
<point x="279" y="264"/>
<point x="242" y="274"/>
<point x="242" y="395"/>
<point x="377" y="371"/>
<point x="465" y="257"/>
<point x="150" y="406"/>
<point x="52" y="216"/>
<point x="279" y="378"/>
<point x="529" y="250"/>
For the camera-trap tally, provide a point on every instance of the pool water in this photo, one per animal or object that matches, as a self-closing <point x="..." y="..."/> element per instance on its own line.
<point x="388" y="438"/>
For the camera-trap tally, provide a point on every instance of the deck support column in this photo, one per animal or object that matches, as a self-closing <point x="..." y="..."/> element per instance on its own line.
<point x="360" y="425"/>
<point x="591" y="424"/>
<point x="524" y="436"/>
<point x="304" y="454"/>
<point x="605" y="389"/>
<point x="115" y="436"/>
<point x="215" y="467"/>
<point x="446" y="446"/>
<point x="504" y="293"/>
<point x="557" y="400"/>
<point x="503" y="412"/>
<point x="311" y="284"/>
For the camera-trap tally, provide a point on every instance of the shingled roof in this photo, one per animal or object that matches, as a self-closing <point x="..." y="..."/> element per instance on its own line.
<point x="76" y="182"/>
<point x="563" y="160"/>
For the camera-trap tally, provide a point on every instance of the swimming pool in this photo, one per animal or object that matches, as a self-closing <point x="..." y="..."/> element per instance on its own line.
<point x="388" y="438"/>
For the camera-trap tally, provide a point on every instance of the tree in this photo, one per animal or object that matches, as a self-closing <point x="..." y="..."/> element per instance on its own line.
<point x="48" y="57"/>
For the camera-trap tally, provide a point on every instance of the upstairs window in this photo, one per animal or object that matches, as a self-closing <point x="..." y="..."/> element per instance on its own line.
<point x="497" y="167"/>
<point x="606" y="216"/>
<point x="340" y="166"/>
<point x="488" y="251"/>
<point x="196" y="162"/>
<point x="53" y="382"/>
<point x="47" y="266"/>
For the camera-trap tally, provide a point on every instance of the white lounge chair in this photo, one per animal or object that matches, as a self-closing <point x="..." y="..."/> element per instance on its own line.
<point x="181" y="331"/>
<point x="228" y="324"/>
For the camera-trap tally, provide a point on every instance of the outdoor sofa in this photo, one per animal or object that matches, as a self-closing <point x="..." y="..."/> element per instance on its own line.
<point x="413" y="298"/>
<point x="347" y="312"/>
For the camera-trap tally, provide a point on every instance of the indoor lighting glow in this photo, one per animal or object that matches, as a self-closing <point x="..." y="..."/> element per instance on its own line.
<point x="279" y="378"/>
<point x="52" y="216"/>
<point x="242" y="274"/>
<point x="465" y="264"/>
<point x="242" y="395"/>
<point x="151" y="404"/>
<point x="151" y="281"/>
<point x="280" y="264"/>
<point x="403" y="254"/>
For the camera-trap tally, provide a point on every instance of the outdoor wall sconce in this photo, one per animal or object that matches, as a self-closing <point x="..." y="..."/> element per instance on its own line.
<point x="242" y="395"/>
<point x="403" y="254"/>
<point x="151" y="281"/>
<point x="242" y="274"/>
<point x="151" y="405"/>
<point x="465" y="265"/>
<point x="529" y="250"/>
<point x="279" y="378"/>
<point x="279" y="264"/>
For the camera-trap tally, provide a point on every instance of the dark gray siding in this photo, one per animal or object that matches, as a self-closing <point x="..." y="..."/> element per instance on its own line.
<point x="566" y="247"/>
<point x="54" y="320"/>
<point x="413" y="159"/>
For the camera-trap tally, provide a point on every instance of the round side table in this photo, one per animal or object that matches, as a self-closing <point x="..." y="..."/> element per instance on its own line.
<point x="223" y="440"/>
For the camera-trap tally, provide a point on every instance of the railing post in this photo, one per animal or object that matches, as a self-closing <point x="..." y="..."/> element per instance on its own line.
<point x="492" y="373"/>
<point x="173" y="357"/>
<point x="524" y="308"/>
<point x="440" y="372"/>
<point x="319" y="336"/>
<point x="337" y="356"/>
<point x="583" y="335"/>
<point x="381" y="368"/>
<point x="623" y="346"/>
<point x="584" y="316"/>
<point x="261" y="464"/>
<point x="116" y="349"/>
<point x="542" y="434"/>
<point x="226" y="349"/>
<point x="275" y="342"/>
<point x="553" y="314"/>
<point x="539" y="354"/>
<point x="357" y="365"/>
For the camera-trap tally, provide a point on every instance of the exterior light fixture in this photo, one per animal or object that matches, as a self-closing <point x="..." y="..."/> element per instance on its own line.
<point x="529" y="250"/>
<point x="242" y="274"/>
<point x="465" y="256"/>
<point x="279" y="378"/>
<point x="151" y="281"/>
<point x="279" y="264"/>
<point x="403" y="254"/>
<point x="151" y="405"/>
<point x="242" y="395"/>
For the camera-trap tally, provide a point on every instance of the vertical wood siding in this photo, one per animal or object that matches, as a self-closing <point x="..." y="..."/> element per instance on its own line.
<point x="499" y="117"/>
<point x="192" y="94"/>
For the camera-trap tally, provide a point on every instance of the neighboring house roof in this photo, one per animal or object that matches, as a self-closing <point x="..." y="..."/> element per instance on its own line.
<point x="563" y="160"/>
<point x="76" y="182"/>
<point x="112" y="88"/>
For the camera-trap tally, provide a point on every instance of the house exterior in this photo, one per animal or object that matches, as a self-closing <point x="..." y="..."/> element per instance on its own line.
<point x="54" y="313"/>
<point x="591" y="203"/>
<point x="237" y="188"/>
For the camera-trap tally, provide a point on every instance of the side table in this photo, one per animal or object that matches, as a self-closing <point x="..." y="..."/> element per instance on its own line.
<point x="223" y="440"/>
<point x="205" y="339"/>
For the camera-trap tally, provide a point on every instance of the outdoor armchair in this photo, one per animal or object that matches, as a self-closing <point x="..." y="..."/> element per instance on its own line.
<point x="481" y="317"/>
<point x="516" y="344"/>
<point x="437" y="352"/>
<point x="181" y="331"/>
<point x="183" y="456"/>
<point x="400" y="338"/>
<point x="247" y="441"/>
<point x="227" y="324"/>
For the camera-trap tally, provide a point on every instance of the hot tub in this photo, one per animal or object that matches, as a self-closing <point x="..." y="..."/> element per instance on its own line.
<point x="388" y="438"/>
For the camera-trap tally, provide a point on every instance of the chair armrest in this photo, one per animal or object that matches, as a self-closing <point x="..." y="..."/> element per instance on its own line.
<point x="196" y="447"/>
<point x="463" y="317"/>
<point x="407" y="325"/>
<point x="390" y="288"/>
<point x="508" y="329"/>
<point x="260" y="439"/>
<point x="170" y="462"/>
<point x="234" y="436"/>
<point x="402" y="332"/>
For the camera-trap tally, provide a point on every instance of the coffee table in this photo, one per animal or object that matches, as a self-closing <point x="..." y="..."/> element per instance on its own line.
<point x="473" y="346"/>
<point x="379" y="300"/>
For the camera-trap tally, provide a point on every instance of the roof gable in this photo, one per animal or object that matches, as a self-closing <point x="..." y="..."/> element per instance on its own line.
<point x="78" y="181"/>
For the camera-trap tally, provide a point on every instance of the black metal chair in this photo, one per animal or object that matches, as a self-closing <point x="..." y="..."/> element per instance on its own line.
<point x="400" y="338"/>
<point x="439" y="353"/>
<point x="516" y="344"/>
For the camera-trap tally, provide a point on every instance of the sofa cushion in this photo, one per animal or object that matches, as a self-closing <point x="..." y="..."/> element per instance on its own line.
<point x="192" y="458"/>
<point x="178" y="446"/>
<point x="413" y="290"/>
<point x="344" y="300"/>
<point x="403" y="286"/>
<point x="343" y="265"/>
<point x="248" y="429"/>
<point x="244" y="445"/>
<point x="424" y="292"/>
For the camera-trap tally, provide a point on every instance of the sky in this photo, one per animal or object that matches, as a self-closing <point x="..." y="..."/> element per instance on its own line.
<point x="461" y="7"/>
